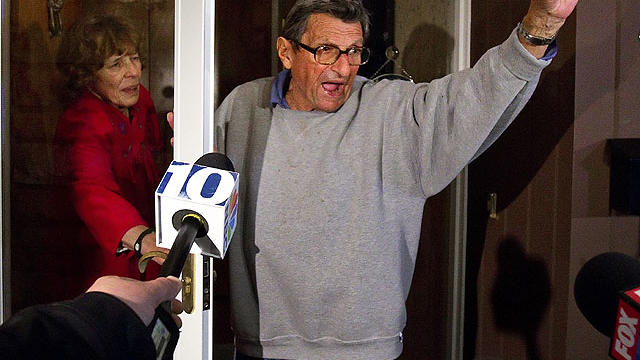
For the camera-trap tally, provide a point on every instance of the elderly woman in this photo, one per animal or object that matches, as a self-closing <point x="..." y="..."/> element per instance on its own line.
<point x="107" y="138"/>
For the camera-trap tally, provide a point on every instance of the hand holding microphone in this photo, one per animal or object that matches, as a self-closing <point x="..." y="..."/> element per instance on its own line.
<point x="142" y="296"/>
<point x="106" y="322"/>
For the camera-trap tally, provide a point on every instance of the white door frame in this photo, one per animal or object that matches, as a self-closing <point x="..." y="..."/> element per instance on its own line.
<point x="194" y="83"/>
<point x="458" y="201"/>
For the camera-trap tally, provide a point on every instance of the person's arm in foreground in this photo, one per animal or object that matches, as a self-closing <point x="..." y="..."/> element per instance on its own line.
<point x="109" y="321"/>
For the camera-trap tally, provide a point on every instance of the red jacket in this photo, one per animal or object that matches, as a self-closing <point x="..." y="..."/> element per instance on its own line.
<point x="109" y="163"/>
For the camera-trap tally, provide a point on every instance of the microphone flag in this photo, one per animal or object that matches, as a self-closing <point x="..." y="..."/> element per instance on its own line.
<point x="210" y="192"/>
<point x="624" y="342"/>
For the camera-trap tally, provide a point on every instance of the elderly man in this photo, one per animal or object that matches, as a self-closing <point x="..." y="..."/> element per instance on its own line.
<point x="336" y="173"/>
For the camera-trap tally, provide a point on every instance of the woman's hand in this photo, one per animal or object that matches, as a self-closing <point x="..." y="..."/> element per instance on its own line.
<point x="149" y="245"/>
<point x="170" y="121"/>
<point x="148" y="242"/>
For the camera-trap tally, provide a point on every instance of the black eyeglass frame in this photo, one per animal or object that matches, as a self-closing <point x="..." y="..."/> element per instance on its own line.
<point x="364" y="50"/>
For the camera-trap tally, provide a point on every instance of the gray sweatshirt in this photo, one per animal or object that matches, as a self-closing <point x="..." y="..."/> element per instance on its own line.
<point x="331" y="203"/>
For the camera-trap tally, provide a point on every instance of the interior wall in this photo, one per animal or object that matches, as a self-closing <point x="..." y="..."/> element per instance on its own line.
<point x="425" y="36"/>
<point x="607" y="106"/>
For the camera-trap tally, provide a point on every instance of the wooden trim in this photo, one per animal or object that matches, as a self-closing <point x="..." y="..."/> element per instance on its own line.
<point x="5" y="246"/>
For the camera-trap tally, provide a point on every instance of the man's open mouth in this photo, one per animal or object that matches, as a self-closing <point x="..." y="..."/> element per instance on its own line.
<point x="333" y="88"/>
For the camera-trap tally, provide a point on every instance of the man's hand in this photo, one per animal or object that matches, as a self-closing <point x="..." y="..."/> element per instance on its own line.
<point x="558" y="9"/>
<point x="544" y="19"/>
<point x="143" y="297"/>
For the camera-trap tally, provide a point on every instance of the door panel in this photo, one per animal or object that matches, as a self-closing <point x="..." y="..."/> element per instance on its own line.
<point x="44" y="252"/>
<point x="529" y="168"/>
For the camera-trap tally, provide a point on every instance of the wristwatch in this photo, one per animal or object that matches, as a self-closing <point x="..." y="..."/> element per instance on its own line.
<point x="532" y="39"/>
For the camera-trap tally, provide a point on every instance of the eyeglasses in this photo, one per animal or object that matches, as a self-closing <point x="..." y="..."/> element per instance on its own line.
<point x="329" y="54"/>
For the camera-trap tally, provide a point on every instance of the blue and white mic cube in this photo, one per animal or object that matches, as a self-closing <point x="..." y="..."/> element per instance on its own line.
<point x="210" y="192"/>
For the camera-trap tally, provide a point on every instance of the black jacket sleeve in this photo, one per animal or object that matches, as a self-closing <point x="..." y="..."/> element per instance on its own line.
<point x="92" y="326"/>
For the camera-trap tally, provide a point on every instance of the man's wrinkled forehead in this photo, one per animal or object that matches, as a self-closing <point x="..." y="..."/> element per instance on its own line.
<point x="325" y="29"/>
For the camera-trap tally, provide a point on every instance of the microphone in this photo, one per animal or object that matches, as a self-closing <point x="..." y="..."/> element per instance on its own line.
<point x="194" y="203"/>
<point x="607" y="292"/>
<point x="205" y="193"/>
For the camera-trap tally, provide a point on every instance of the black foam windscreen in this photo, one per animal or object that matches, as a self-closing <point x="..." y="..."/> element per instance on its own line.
<point x="598" y="286"/>
<point x="216" y="160"/>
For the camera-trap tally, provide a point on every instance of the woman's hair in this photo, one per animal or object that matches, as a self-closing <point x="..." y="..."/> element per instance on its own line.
<point x="85" y="47"/>
<point x="345" y="10"/>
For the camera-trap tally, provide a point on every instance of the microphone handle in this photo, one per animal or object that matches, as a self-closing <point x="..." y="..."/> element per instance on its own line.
<point x="163" y="329"/>
<point x="181" y="247"/>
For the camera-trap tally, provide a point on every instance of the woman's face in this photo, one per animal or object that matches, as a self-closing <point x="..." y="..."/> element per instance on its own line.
<point x="118" y="81"/>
